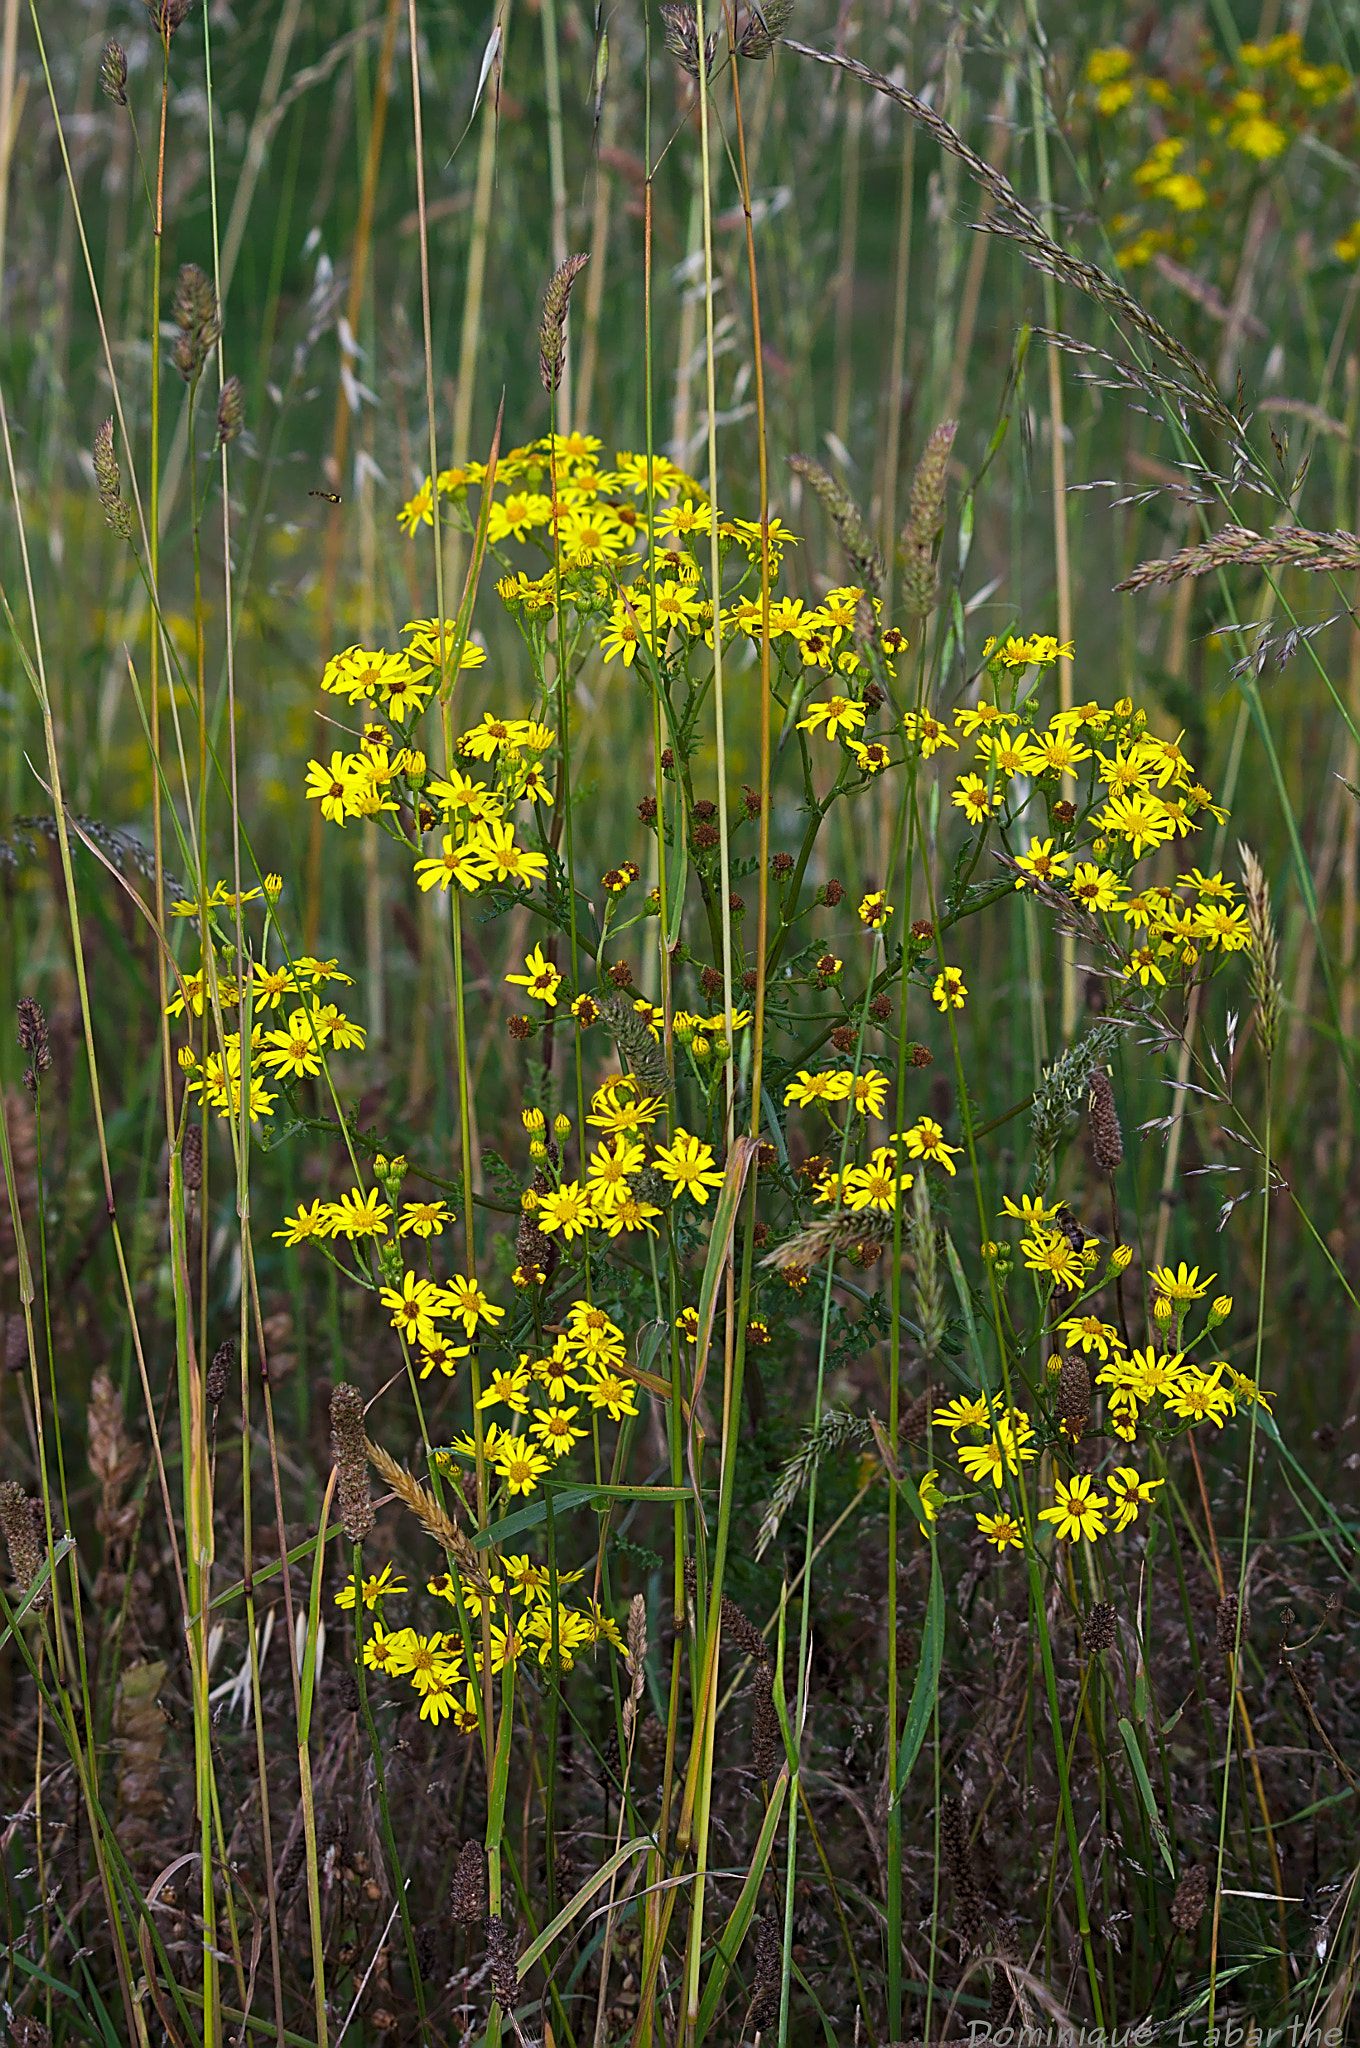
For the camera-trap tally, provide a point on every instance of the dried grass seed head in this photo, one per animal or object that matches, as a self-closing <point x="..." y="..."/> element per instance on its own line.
<point x="351" y="1464"/>
<point x="467" y="1889"/>
<point x="21" y="1525"/>
<point x="231" y="411"/>
<point x="1100" y="1630"/>
<point x="1192" y="1896"/>
<point x="1107" y="1140"/>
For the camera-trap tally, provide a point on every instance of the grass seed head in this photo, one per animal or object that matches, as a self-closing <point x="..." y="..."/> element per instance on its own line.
<point x="1100" y="1631"/>
<point x="467" y="1890"/>
<point x="1192" y="1896"/>
<point x="113" y="73"/>
<point x="116" y="513"/>
<point x="21" y="1525"/>
<point x="196" y="317"/>
<point x="347" y="1449"/>
<point x="503" y="1956"/>
<point x="1074" y="1397"/>
<point x="925" y="516"/>
<point x="763" y="2011"/>
<point x="231" y="411"/>
<point x="865" y="561"/>
<point x="762" y="27"/>
<point x="1264" y="951"/>
<point x="1107" y="1141"/>
<point x="218" y="1376"/>
<point x="681" y="28"/>
<point x="552" y="349"/>
<point x="1226" y="1624"/>
<point x="958" y="1856"/>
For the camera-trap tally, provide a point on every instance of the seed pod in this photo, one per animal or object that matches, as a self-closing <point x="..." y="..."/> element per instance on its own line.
<point x="1074" y="1397"/>
<point x="351" y="1461"/>
<point x="467" y="1889"/>
<point x="1101" y="1628"/>
<point x="1107" y="1142"/>
<point x="1192" y="1896"/>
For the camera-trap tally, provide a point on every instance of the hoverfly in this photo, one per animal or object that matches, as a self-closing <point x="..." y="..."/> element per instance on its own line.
<point x="331" y="497"/>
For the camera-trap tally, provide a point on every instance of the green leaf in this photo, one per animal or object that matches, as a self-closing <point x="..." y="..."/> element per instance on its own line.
<point x="1145" y="1791"/>
<point x="728" y="1943"/>
<point x="40" y="1579"/>
<point x="567" y="1497"/>
<point x="927" y="1678"/>
<point x="638" y="1847"/>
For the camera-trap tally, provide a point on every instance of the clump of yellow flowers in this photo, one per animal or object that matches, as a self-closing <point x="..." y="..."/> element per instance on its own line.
<point x="1206" y="127"/>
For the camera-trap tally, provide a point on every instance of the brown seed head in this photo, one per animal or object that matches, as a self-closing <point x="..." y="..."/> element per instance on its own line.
<point x="502" y="1953"/>
<point x="218" y="1376"/>
<point x="767" y="1738"/>
<point x="781" y="864"/>
<point x="231" y="411"/>
<point x="1074" y="1397"/>
<point x="621" y="974"/>
<point x="1226" y="1624"/>
<point x="711" y="982"/>
<point x="467" y="1891"/>
<point x="880" y="1009"/>
<point x="646" y="810"/>
<point x="552" y="332"/>
<point x="191" y="1158"/>
<point x="843" y="1038"/>
<point x="920" y="1056"/>
<point x="21" y="1525"/>
<point x="1107" y="1142"/>
<point x="831" y="893"/>
<point x="763" y="2012"/>
<point x="520" y="1028"/>
<point x="1192" y="1896"/>
<point x="351" y="1461"/>
<point x="954" y="1842"/>
<point x="34" y="1041"/>
<point x="1100" y="1630"/>
<point x="196" y="317"/>
<point x="167" y="16"/>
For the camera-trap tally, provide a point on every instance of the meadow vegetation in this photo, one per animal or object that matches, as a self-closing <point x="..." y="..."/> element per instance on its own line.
<point x="680" y="844"/>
